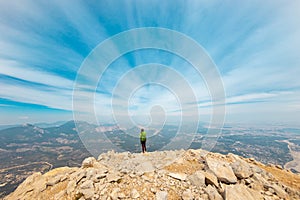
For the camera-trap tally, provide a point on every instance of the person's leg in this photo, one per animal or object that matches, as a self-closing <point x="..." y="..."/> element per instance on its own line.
<point x="143" y="146"/>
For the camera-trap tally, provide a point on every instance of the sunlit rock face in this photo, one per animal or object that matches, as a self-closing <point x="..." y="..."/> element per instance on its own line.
<point x="190" y="174"/>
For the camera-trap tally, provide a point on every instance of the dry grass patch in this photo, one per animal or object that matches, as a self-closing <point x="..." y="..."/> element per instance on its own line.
<point x="287" y="178"/>
<point x="188" y="167"/>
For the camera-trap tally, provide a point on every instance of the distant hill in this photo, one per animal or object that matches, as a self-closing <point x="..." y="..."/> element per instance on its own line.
<point x="7" y="126"/>
<point x="48" y="125"/>
<point x="27" y="148"/>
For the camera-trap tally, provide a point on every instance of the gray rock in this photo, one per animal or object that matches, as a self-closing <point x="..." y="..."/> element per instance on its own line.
<point x="88" y="162"/>
<point x="161" y="195"/>
<point x="222" y="170"/>
<point x="187" y="195"/>
<point x="121" y="195"/>
<point x="213" y="193"/>
<point x="271" y="190"/>
<point x="98" y="177"/>
<point x="279" y="191"/>
<point x="210" y="178"/>
<point x="102" y="170"/>
<point x="132" y="175"/>
<point x="268" y="193"/>
<point x="197" y="179"/>
<point x="153" y="190"/>
<point x="59" y="195"/>
<point x="270" y="198"/>
<point x="87" y="185"/>
<point x="241" y="169"/>
<point x="54" y="180"/>
<point x="181" y="177"/>
<point x="248" y="181"/>
<point x="279" y="166"/>
<point x="87" y="193"/>
<point x="256" y="169"/>
<point x="113" y="178"/>
<point x="238" y="192"/>
<point x="90" y="173"/>
<point x="98" y="181"/>
<point x="144" y="168"/>
<point x="63" y="178"/>
<point x="101" y="157"/>
<point x="260" y="182"/>
<point x="71" y="187"/>
<point x="114" y="194"/>
<point x="43" y="187"/>
<point x="99" y="187"/>
<point x="146" y="178"/>
<point x="80" y="175"/>
<point x="134" y="194"/>
<point x="124" y="171"/>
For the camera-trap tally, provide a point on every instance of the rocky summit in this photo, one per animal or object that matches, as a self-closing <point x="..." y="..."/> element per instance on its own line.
<point x="190" y="174"/>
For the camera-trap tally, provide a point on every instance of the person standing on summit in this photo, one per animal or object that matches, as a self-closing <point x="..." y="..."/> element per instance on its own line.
<point x="143" y="140"/>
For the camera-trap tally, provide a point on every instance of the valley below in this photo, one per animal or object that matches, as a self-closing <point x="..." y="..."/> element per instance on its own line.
<point x="27" y="149"/>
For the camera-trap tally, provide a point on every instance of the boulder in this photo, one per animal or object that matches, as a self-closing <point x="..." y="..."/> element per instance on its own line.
<point x="238" y="192"/>
<point x="259" y="182"/>
<point x="178" y="176"/>
<point x="241" y="169"/>
<point x="144" y="168"/>
<point x="79" y="175"/>
<point x="212" y="193"/>
<point x="121" y="195"/>
<point x="222" y="170"/>
<point x="71" y="187"/>
<point x="113" y="178"/>
<point x="210" y="178"/>
<point x="59" y="195"/>
<point x="87" y="193"/>
<point x="53" y="180"/>
<point x="161" y="195"/>
<point x="197" y="179"/>
<point x="91" y="173"/>
<point x="114" y="194"/>
<point x="279" y="191"/>
<point x="34" y="182"/>
<point x="134" y="194"/>
<point x="88" y="162"/>
<point x="87" y="185"/>
<point x="98" y="177"/>
<point x="186" y="179"/>
<point x="187" y="195"/>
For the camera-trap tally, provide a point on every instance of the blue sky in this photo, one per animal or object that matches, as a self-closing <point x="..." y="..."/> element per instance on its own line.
<point x="255" y="46"/>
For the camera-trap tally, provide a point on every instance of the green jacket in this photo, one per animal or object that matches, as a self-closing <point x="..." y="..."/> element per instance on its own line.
<point x="143" y="136"/>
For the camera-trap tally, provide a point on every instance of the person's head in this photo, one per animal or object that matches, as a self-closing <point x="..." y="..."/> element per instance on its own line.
<point x="142" y="130"/>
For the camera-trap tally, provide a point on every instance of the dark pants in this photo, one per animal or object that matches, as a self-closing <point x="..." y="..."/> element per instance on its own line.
<point x="143" y="146"/>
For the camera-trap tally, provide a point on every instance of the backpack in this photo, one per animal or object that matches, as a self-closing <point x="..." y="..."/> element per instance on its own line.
<point x="143" y="136"/>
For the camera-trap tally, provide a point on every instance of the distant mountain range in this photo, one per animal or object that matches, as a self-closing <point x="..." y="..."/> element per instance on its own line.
<point x="27" y="148"/>
<point x="41" y="125"/>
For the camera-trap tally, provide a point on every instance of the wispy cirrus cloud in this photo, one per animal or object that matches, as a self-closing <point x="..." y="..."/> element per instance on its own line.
<point x="255" y="47"/>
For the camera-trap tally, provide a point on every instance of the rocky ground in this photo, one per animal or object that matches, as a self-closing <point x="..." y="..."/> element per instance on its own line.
<point x="191" y="174"/>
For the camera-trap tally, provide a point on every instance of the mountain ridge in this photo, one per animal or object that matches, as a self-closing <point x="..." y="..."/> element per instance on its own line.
<point x="177" y="174"/>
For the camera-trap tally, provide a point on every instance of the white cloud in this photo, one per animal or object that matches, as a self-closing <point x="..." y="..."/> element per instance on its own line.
<point x="257" y="52"/>
<point x="60" y="99"/>
<point x="17" y="70"/>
